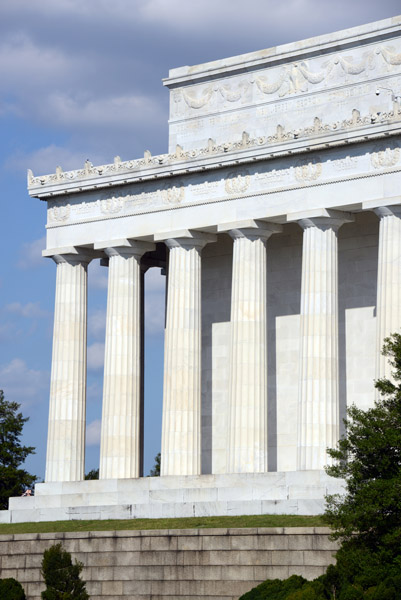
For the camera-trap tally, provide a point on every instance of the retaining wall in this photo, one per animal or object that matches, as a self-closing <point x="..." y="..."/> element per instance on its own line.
<point x="204" y="564"/>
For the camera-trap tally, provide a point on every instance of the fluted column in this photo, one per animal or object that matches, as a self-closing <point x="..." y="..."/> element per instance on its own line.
<point x="66" y="434"/>
<point x="247" y="434"/>
<point x="181" y="423"/>
<point x="318" y="407"/>
<point x="120" y="434"/>
<point x="388" y="312"/>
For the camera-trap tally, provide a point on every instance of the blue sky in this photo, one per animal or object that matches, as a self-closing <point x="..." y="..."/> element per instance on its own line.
<point x="82" y="79"/>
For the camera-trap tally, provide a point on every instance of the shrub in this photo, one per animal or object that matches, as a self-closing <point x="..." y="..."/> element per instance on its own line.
<point x="275" y="589"/>
<point x="10" y="589"/>
<point x="62" y="577"/>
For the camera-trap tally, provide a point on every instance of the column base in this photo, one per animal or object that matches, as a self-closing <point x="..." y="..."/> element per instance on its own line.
<point x="290" y="492"/>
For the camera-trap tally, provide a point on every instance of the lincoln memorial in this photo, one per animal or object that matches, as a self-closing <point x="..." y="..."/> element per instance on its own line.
<point x="276" y="216"/>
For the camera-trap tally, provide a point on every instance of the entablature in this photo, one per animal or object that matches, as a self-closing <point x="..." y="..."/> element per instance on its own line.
<point x="317" y="136"/>
<point x="342" y="178"/>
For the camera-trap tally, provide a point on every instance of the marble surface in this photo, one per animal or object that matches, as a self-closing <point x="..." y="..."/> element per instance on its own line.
<point x="181" y="423"/>
<point x="173" y="496"/>
<point x="318" y="401"/>
<point x="388" y="282"/>
<point x="120" y="433"/>
<point x="247" y="411"/>
<point x="66" y="432"/>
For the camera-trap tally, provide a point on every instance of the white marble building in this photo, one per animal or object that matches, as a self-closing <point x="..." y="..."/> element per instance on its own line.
<point x="277" y="215"/>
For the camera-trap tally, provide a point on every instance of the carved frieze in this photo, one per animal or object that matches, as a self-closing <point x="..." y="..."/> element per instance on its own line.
<point x="237" y="182"/>
<point x="345" y="164"/>
<point x="273" y="176"/>
<point x="308" y="169"/>
<point x="385" y="157"/>
<point x="173" y="193"/>
<point x="204" y="189"/>
<point x="296" y="77"/>
<point x="112" y="205"/>
<point x="59" y="211"/>
<point x="194" y="101"/>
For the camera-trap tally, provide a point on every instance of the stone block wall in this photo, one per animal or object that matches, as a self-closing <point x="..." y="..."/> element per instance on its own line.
<point x="204" y="564"/>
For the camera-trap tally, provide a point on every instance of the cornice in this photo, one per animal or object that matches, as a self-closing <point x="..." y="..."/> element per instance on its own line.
<point x="321" y="45"/>
<point x="317" y="136"/>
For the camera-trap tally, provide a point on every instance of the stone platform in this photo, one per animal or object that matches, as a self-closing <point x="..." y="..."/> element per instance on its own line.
<point x="291" y="492"/>
<point x="200" y="564"/>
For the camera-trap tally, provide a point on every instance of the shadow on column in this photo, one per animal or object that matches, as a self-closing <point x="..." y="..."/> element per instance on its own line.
<point x="284" y="270"/>
<point x="357" y="291"/>
<point x="216" y="306"/>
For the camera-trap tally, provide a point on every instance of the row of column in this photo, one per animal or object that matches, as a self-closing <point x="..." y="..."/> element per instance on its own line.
<point x="318" y="414"/>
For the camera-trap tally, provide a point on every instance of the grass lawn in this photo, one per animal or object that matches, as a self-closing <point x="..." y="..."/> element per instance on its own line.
<point x="186" y="523"/>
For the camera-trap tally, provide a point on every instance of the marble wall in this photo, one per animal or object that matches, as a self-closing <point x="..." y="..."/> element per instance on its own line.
<point x="357" y="265"/>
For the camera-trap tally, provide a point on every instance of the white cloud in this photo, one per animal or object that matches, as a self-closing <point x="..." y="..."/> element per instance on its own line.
<point x="251" y="19"/>
<point x="31" y="254"/>
<point x="44" y="160"/>
<point x="5" y="331"/>
<point x="98" y="276"/>
<point x="115" y="111"/>
<point x="94" y="392"/>
<point x="155" y="285"/>
<point x="73" y="89"/>
<point x="92" y="9"/>
<point x="229" y="16"/>
<point x="154" y="315"/>
<point x="93" y="433"/>
<point x="101" y="93"/>
<point x="22" y="384"/>
<point x="155" y="281"/>
<point x="97" y="323"/>
<point x="24" y="62"/>
<point x="95" y="356"/>
<point x="29" y="310"/>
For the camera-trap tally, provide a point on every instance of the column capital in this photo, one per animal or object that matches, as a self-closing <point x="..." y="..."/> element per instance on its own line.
<point x="252" y="229"/>
<point x="388" y="211"/>
<point x="185" y="238"/>
<point x="125" y="247"/>
<point x="72" y="255"/>
<point x="322" y="218"/>
<point x="384" y="207"/>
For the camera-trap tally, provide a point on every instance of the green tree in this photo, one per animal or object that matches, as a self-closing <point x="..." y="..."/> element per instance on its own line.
<point x="62" y="577"/>
<point x="13" y="479"/>
<point x="93" y="474"/>
<point x="155" y="472"/>
<point x="367" y="519"/>
<point x="275" y="589"/>
<point x="11" y="589"/>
